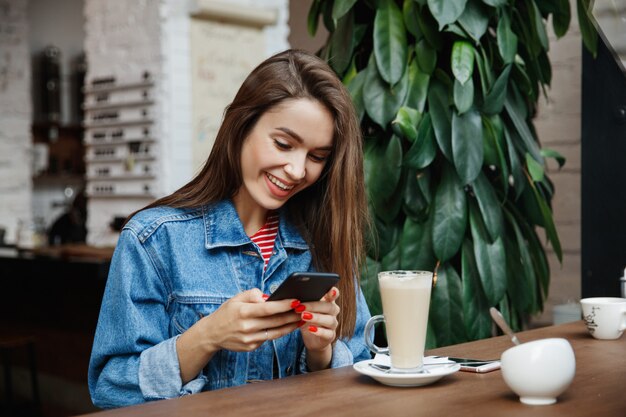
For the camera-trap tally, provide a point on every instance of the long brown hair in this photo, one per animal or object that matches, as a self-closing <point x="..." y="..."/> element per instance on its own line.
<point x="332" y="213"/>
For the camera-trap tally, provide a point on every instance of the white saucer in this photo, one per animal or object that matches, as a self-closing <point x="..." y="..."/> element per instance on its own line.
<point x="434" y="373"/>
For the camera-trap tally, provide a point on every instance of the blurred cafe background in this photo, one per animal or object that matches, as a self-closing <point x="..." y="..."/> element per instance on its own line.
<point x="106" y="105"/>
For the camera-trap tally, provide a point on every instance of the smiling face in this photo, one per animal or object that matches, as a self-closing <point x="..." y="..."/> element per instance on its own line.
<point x="284" y="153"/>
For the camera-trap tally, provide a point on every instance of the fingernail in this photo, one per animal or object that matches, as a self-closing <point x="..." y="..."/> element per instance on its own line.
<point x="313" y="329"/>
<point x="301" y="323"/>
<point x="334" y="293"/>
<point x="300" y="308"/>
<point x="265" y="296"/>
<point x="307" y="316"/>
<point x="295" y="303"/>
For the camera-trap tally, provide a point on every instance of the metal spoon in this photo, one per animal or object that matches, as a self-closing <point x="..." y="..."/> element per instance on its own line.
<point x="499" y="320"/>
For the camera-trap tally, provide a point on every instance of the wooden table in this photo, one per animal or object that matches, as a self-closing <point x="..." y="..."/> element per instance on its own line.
<point x="598" y="389"/>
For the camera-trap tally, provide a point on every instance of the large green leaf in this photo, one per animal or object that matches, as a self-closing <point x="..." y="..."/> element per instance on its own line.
<point x="475" y="304"/>
<point x="416" y="202"/>
<point x="494" y="138"/>
<point x="496" y="3"/>
<point x="467" y="145"/>
<point x="406" y="122"/>
<point x="439" y="107"/>
<point x="446" y="307"/>
<point x="528" y="279"/>
<point x="517" y="179"/>
<point x="391" y="261"/>
<point x="475" y="19"/>
<point x="489" y="207"/>
<point x="538" y="255"/>
<point x="383" y="168"/>
<point x="463" y="95"/>
<point x="521" y="291"/>
<point x="416" y="248"/>
<point x="313" y="17"/>
<point x="418" y="87"/>
<point x="507" y="40"/>
<point x="428" y="27"/>
<point x="551" y="232"/>
<point x="490" y="258"/>
<point x="535" y="169"/>
<point x="446" y="11"/>
<point x="587" y="28"/>
<point x="561" y="17"/>
<point x="494" y="101"/>
<point x="341" y="7"/>
<point x="390" y="46"/>
<point x="550" y="153"/>
<point x="462" y="61"/>
<point x="540" y="26"/>
<point x="381" y="101"/>
<point x="410" y="12"/>
<point x="426" y="57"/>
<point x="342" y="43"/>
<point x="423" y="151"/>
<point x="355" y="87"/>
<point x="516" y="113"/>
<point x="450" y="215"/>
<point x="385" y="238"/>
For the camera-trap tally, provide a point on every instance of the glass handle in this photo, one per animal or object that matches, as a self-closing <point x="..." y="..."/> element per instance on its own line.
<point x="368" y="340"/>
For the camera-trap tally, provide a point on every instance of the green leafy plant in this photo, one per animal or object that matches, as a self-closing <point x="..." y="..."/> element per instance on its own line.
<point x="446" y="91"/>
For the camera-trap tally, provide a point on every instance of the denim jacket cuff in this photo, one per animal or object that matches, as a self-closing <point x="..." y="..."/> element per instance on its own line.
<point x="342" y="356"/>
<point x="159" y="373"/>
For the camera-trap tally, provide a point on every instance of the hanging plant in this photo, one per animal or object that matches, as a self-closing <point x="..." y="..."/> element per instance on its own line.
<point x="446" y="91"/>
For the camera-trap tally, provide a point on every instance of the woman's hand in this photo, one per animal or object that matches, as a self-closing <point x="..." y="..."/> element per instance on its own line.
<point x="241" y="324"/>
<point x="319" y="329"/>
<point x="246" y="321"/>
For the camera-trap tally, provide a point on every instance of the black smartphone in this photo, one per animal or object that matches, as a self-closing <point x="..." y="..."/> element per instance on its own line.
<point x="480" y="366"/>
<point x="305" y="286"/>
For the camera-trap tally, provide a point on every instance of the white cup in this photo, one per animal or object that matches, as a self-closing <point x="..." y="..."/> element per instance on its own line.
<point x="406" y="299"/>
<point x="539" y="371"/>
<point x="605" y="317"/>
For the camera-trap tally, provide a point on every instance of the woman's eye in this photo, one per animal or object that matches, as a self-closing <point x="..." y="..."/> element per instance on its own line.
<point x="317" y="158"/>
<point x="282" y="145"/>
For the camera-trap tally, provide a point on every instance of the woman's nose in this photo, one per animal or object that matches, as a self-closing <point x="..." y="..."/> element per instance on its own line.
<point x="296" y="168"/>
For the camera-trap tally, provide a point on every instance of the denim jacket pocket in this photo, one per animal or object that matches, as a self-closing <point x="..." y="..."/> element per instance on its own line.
<point x="188" y="311"/>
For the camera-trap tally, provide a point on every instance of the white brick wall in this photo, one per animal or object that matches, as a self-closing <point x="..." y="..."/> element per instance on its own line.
<point x="15" y="117"/>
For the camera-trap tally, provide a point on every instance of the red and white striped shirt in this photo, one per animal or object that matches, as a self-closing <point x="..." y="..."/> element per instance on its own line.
<point x="266" y="236"/>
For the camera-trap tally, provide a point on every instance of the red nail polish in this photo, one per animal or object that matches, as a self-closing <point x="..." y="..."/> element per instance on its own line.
<point x="301" y="323"/>
<point x="334" y="293"/>
<point x="313" y="329"/>
<point x="307" y="316"/>
<point x="300" y="308"/>
<point x="265" y="296"/>
<point x="295" y="303"/>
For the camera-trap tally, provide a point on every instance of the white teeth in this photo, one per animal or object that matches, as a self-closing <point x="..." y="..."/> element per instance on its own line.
<point x="278" y="183"/>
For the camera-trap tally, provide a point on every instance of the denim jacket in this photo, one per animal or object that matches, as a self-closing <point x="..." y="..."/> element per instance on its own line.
<point x="170" y="268"/>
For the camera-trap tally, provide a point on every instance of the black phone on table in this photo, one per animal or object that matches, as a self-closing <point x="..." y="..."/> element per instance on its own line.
<point x="305" y="286"/>
<point x="480" y="366"/>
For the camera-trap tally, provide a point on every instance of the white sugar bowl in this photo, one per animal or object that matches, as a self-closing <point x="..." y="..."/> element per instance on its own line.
<point x="539" y="371"/>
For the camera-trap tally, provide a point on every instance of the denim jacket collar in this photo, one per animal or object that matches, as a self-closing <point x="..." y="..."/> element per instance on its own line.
<point x="223" y="228"/>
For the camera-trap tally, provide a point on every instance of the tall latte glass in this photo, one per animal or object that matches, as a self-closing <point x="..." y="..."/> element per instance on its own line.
<point x="406" y="298"/>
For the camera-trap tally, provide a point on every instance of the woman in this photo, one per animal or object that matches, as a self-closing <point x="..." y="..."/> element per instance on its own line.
<point x="184" y="308"/>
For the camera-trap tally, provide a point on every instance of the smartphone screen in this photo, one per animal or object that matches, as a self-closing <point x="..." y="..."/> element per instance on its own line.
<point x="477" y="365"/>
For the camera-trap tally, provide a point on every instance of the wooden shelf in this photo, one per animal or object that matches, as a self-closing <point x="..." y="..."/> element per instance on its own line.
<point x="116" y="87"/>
<point x="117" y="142"/>
<point x="108" y="106"/>
<point x="120" y="178"/>
<point x="138" y="122"/>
